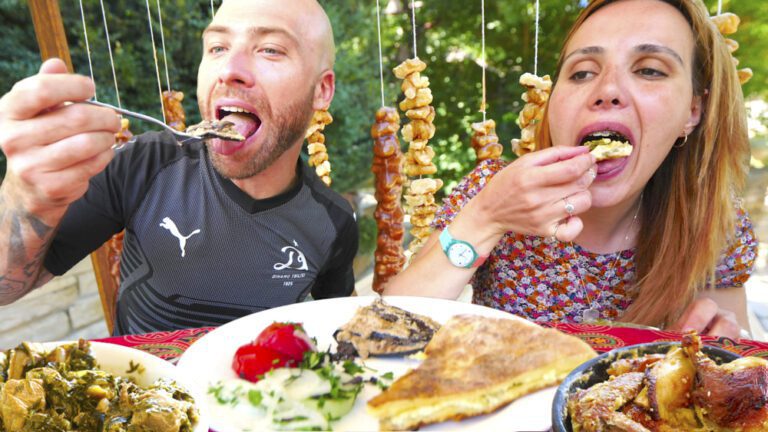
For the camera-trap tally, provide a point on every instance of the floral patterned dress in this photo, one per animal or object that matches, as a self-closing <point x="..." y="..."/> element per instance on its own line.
<point x="545" y="280"/>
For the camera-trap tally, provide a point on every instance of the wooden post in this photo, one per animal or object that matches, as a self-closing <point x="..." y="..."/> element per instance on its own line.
<point x="49" y="29"/>
<point x="52" y="41"/>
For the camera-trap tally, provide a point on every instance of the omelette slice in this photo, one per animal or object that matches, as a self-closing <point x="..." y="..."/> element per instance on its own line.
<point x="606" y="148"/>
<point x="475" y="365"/>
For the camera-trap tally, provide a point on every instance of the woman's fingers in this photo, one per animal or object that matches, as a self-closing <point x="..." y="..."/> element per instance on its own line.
<point x="724" y="324"/>
<point x="569" y="229"/>
<point x="697" y="316"/>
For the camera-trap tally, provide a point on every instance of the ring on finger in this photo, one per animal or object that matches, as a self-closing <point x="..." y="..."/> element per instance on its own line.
<point x="553" y="237"/>
<point x="569" y="208"/>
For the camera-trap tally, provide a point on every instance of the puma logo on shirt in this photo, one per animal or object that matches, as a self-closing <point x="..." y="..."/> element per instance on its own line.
<point x="171" y="226"/>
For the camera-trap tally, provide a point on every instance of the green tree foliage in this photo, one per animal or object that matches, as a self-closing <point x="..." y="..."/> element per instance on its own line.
<point x="448" y="39"/>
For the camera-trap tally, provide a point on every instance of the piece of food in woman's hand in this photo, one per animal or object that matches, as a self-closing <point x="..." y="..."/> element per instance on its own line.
<point x="279" y="345"/>
<point x="475" y="365"/>
<point x="383" y="329"/>
<point x="609" y="148"/>
<point x="207" y="129"/>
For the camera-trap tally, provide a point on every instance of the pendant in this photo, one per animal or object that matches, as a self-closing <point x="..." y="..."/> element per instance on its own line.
<point x="590" y="315"/>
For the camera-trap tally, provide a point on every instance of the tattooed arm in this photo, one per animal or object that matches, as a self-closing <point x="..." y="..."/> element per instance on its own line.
<point x="52" y="148"/>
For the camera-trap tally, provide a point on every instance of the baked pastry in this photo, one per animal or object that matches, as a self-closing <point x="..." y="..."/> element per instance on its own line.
<point x="475" y="365"/>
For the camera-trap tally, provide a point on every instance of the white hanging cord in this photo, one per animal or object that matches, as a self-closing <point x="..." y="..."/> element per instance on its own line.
<point x="213" y="11"/>
<point x="719" y="7"/>
<point x="413" y="24"/>
<point x="88" y="49"/>
<point x="381" y="57"/>
<point x="162" y="40"/>
<point x="154" y="54"/>
<point x="536" y="43"/>
<point x="109" y="48"/>
<point x="482" y="22"/>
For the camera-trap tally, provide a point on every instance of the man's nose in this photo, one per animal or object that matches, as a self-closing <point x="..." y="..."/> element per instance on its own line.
<point x="237" y="71"/>
<point x="609" y="91"/>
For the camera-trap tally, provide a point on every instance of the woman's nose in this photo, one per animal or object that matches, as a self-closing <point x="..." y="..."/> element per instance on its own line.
<point x="237" y="71"/>
<point x="608" y="92"/>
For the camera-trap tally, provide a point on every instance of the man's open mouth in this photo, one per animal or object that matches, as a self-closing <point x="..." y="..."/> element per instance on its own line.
<point x="246" y="122"/>
<point x="607" y="144"/>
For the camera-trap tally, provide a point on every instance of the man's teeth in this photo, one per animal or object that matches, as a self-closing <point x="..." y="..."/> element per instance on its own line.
<point x="234" y="109"/>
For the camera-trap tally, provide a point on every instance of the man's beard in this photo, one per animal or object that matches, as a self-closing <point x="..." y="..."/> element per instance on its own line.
<point x="287" y="127"/>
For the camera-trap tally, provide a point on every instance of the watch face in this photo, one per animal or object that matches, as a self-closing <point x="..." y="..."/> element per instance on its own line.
<point x="460" y="255"/>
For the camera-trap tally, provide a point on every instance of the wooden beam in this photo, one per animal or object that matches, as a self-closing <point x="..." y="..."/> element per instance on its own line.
<point x="49" y="29"/>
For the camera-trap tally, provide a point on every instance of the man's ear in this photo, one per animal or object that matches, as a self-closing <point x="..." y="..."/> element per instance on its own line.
<point x="324" y="90"/>
<point x="697" y="105"/>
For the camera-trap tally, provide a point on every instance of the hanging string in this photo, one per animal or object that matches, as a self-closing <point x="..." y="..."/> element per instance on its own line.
<point x="719" y="7"/>
<point x="381" y="56"/>
<point x="536" y="43"/>
<point x="88" y="49"/>
<point x="109" y="48"/>
<point x="162" y="40"/>
<point x="157" y="67"/>
<point x="413" y="24"/>
<point x="482" y="23"/>
<point x="213" y="11"/>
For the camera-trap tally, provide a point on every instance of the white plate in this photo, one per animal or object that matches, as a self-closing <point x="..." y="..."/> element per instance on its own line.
<point x="210" y="360"/>
<point x="116" y="359"/>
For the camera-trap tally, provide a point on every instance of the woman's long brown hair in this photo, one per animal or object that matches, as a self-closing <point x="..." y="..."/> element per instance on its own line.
<point x="688" y="208"/>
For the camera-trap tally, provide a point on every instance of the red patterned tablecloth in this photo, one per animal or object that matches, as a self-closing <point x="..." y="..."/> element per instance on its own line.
<point x="171" y="345"/>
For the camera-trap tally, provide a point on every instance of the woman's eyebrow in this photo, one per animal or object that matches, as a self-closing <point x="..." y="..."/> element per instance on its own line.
<point x="584" y="51"/>
<point x="655" y="49"/>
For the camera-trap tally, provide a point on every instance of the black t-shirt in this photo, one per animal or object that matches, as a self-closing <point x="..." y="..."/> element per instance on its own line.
<point x="198" y="251"/>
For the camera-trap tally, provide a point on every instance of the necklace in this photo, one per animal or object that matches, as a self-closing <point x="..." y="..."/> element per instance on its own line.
<point x="592" y="313"/>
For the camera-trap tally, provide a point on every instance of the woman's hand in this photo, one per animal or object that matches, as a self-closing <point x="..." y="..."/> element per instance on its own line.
<point x="540" y="194"/>
<point x="706" y="317"/>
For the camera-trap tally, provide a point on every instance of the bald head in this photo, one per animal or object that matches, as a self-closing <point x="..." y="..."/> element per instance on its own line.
<point x="305" y="20"/>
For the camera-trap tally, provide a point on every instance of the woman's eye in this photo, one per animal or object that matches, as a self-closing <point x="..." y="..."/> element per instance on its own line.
<point x="581" y="75"/>
<point x="650" y="72"/>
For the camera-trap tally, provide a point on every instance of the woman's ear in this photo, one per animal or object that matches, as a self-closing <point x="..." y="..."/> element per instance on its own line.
<point x="324" y="90"/>
<point x="697" y="105"/>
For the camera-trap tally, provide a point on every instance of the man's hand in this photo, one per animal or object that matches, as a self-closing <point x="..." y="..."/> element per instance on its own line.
<point x="53" y="147"/>
<point x="706" y="317"/>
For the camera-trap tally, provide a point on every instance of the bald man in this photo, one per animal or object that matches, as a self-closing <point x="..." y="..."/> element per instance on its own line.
<point x="214" y="230"/>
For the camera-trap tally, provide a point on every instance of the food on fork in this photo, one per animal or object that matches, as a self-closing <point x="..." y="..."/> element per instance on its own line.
<point x="383" y="329"/>
<point x="475" y="365"/>
<point x="222" y="129"/>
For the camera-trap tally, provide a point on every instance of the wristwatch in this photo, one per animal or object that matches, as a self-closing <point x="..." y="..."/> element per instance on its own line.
<point x="460" y="253"/>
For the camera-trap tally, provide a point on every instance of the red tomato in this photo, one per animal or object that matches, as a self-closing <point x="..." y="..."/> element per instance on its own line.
<point x="251" y="362"/>
<point x="288" y="339"/>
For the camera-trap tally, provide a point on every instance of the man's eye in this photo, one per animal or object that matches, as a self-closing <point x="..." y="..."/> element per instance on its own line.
<point x="216" y="50"/>
<point x="581" y="75"/>
<point x="650" y="72"/>
<point x="271" y="51"/>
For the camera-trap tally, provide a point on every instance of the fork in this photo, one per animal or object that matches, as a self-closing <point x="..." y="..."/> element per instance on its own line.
<point x="182" y="137"/>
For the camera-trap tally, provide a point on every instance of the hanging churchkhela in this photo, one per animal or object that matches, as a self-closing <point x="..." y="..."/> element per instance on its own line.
<point x="419" y="197"/>
<point x="318" y="153"/>
<point x="485" y="141"/>
<point x="173" y="111"/>
<point x="388" y="173"/>
<point x="727" y="23"/>
<point x="535" y="97"/>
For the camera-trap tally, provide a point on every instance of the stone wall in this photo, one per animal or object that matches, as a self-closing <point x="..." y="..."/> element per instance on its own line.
<point x="66" y="308"/>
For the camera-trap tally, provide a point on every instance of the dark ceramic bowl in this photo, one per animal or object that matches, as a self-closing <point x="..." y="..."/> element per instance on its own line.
<point x="595" y="371"/>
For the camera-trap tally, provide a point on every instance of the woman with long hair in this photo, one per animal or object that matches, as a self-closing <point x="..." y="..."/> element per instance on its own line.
<point x="656" y="238"/>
